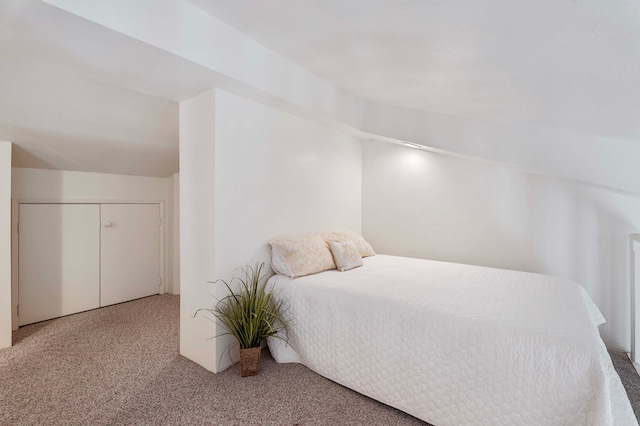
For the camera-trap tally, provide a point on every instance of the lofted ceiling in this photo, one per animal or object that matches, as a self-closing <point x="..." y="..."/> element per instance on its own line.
<point x="572" y="64"/>
<point x="77" y="95"/>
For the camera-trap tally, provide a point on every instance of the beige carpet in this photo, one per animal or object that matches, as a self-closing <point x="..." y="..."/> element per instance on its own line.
<point x="120" y="365"/>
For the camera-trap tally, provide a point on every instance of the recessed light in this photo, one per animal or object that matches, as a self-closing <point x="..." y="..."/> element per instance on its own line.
<point x="412" y="145"/>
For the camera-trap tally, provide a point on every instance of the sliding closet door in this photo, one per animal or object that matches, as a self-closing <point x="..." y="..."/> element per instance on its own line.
<point x="58" y="264"/>
<point x="130" y="252"/>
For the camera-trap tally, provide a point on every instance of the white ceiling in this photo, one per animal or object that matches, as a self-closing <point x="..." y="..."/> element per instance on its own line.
<point x="559" y="63"/>
<point x="78" y="96"/>
<point x="75" y="95"/>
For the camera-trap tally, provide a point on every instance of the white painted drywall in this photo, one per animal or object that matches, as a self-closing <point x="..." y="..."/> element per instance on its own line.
<point x="64" y="120"/>
<point x="277" y="174"/>
<point x="571" y="136"/>
<point x="422" y="204"/>
<point x="197" y="210"/>
<point x="240" y="62"/>
<point x="56" y="185"/>
<point x="5" y="244"/>
<point x="552" y="151"/>
<point x="580" y="70"/>
<point x="272" y="174"/>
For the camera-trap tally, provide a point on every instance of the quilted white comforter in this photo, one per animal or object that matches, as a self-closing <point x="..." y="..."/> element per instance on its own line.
<point x="456" y="344"/>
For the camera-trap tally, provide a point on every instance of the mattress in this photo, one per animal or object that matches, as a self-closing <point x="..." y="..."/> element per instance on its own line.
<point x="456" y="344"/>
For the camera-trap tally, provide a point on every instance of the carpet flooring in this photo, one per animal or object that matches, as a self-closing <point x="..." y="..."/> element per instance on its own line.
<point x="120" y="366"/>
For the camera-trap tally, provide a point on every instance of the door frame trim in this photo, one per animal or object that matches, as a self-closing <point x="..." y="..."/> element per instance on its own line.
<point x="15" y="213"/>
<point x="635" y="301"/>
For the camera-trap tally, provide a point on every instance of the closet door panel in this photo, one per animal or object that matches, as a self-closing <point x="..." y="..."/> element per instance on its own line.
<point x="58" y="260"/>
<point x="130" y="252"/>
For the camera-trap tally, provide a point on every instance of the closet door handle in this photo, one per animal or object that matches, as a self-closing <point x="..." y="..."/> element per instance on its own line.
<point x="108" y="225"/>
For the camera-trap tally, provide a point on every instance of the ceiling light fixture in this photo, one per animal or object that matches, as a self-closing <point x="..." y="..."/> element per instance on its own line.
<point x="412" y="145"/>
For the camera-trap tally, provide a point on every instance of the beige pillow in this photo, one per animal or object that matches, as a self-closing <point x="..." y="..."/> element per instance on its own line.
<point x="300" y="255"/>
<point x="346" y="255"/>
<point x="363" y="246"/>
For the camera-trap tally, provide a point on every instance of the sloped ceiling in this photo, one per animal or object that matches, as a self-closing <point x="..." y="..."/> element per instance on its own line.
<point x="77" y="96"/>
<point x="558" y="63"/>
<point x="80" y="94"/>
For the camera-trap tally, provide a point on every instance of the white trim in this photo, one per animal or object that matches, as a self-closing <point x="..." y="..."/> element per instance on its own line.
<point x="15" y="215"/>
<point x="83" y="201"/>
<point x="634" y="300"/>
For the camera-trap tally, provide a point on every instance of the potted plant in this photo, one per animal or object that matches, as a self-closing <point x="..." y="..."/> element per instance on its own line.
<point x="250" y="313"/>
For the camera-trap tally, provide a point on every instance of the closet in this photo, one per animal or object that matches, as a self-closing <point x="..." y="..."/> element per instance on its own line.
<point x="76" y="257"/>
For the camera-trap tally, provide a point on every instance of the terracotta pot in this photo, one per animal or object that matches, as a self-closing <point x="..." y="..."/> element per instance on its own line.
<point x="250" y="361"/>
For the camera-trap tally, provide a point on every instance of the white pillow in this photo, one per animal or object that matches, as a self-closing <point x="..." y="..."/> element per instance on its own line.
<point x="363" y="246"/>
<point x="346" y="255"/>
<point x="300" y="255"/>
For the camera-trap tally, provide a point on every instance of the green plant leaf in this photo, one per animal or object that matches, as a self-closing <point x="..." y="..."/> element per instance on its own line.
<point x="250" y="313"/>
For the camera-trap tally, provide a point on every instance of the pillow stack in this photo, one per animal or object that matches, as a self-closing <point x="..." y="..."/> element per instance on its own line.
<point x="363" y="246"/>
<point x="307" y="254"/>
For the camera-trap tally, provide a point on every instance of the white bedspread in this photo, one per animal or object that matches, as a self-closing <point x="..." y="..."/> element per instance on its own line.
<point x="456" y="344"/>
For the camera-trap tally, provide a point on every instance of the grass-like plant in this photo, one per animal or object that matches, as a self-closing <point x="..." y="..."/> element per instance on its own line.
<point x="250" y="312"/>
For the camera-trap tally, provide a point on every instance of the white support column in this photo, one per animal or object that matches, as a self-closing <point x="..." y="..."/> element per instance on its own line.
<point x="197" y="238"/>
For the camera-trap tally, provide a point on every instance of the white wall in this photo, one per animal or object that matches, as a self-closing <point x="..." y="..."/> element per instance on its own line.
<point x="56" y="184"/>
<point x="240" y="63"/>
<point x="428" y="205"/>
<point x="552" y="151"/>
<point x="245" y="67"/>
<point x="36" y="184"/>
<point x="5" y="244"/>
<point x="62" y="120"/>
<point x="279" y="174"/>
<point x="274" y="174"/>
<point x="197" y="210"/>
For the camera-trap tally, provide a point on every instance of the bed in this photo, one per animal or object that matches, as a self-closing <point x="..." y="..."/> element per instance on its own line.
<point x="455" y="344"/>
